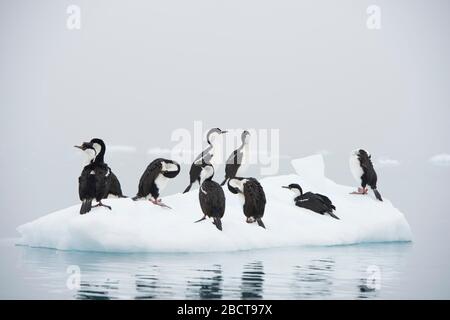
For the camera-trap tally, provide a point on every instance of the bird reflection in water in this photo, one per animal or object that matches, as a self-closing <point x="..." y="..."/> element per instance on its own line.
<point x="97" y="290"/>
<point x="149" y="286"/>
<point x="252" y="280"/>
<point x="207" y="286"/>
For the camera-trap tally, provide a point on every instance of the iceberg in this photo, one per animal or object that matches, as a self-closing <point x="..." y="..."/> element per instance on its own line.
<point x="139" y="226"/>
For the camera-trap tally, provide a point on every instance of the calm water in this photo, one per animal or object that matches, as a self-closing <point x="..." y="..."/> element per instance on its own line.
<point x="290" y="273"/>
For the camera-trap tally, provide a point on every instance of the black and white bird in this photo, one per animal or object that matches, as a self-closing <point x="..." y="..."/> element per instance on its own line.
<point x="252" y="197"/>
<point x="313" y="201"/>
<point x="155" y="178"/>
<point x="96" y="181"/>
<point x="204" y="157"/>
<point x="362" y="170"/>
<point x="237" y="163"/>
<point x="211" y="196"/>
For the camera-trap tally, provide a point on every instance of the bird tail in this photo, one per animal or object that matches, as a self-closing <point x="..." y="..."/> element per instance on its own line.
<point x="188" y="188"/>
<point x="333" y="215"/>
<point x="224" y="181"/>
<point x="86" y="206"/>
<point x="377" y="194"/>
<point x="218" y="223"/>
<point x="260" y="223"/>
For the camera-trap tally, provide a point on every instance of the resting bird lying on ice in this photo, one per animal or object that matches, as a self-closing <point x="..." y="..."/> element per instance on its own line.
<point x="313" y="201"/>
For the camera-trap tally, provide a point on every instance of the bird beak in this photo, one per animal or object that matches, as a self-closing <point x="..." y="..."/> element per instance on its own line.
<point x="223" y="132"/>
<point x="79" y="147"/>
<point x="285" y="187"/>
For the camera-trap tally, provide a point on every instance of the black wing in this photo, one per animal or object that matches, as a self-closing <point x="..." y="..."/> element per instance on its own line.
<point x="113" y="185"/>
<point x="325" y="200"/>
<point x="102" y="173"/>
<point x="146" y="183"/>
<point x="86" y="184"/>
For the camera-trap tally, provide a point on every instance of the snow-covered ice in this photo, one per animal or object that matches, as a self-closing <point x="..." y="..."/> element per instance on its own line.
<point x="143" y="227"/>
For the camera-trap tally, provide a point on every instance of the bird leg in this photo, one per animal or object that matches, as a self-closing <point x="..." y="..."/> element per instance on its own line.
<point x="204" y="218"/>
<point x="100" y="204"/>
<point x="250" y="220"/>
<point x="158" y="202"/>
<point x="360" y="191"/>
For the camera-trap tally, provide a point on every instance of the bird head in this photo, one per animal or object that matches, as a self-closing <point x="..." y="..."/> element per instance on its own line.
<point x="294" y="187"/>
<point x="93" y="149"/>
<point x="213" y="134"/>
<point x="245" y="137"/>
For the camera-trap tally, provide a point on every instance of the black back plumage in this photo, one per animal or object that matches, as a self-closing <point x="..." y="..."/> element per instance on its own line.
<point x="255" y="199"/>
<point x="212" y="201"/>
<point x="369" y="176"/>
<point x="147" y="185"/>
<point x="315" y="202"/>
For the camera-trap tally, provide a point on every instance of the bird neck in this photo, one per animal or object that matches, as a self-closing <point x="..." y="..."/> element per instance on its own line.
<point x="100" y="158"/>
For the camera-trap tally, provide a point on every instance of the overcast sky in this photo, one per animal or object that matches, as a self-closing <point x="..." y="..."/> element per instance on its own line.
<point x="137" y="71"/>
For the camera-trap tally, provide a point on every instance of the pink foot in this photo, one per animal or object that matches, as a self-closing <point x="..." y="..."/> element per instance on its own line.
<point x="360" y="191"/>
<point x="158" y="202"/>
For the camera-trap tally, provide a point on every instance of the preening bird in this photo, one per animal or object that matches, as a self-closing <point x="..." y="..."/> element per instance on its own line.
<point x="313" y="201"/>
<point x="237" y="163"/>
<point x="204" y="157"/>
<point x="364" y="173"/>
<point x="96" y="181"/>
<point x="211" y="196"/>
<point x="252" y="197"/>
<point x="155" y="178"/>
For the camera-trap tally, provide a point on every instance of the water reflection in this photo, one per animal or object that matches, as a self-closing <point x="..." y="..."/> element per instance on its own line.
<point x="149" y="286"/>
<point x="97" y="291"/>
<point x="295" y="273"/>
<point x="206" y="285"/>
<point x="252" y="281"/>
<point x="314" y="280"/>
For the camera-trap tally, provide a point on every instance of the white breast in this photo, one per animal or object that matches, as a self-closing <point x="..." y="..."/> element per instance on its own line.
<point x="355" y="167"/>
<point x="161" y="182"/>
<point x="244" y="162"/>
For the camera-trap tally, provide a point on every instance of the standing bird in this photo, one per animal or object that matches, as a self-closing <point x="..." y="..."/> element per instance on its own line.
<point x="238" y="161"/>
<point x="211" y="196"/>
<point x="313" y="201"/>
<point x="96" y="181"/>
<point x="204" y="157"/>
<point x="252" y="196"/>
<point x="155" y="178"/>
<point x="362" y="170"/>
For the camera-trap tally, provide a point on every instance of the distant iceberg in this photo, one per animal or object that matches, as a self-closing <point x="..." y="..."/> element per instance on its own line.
<point x="143" y="227"/>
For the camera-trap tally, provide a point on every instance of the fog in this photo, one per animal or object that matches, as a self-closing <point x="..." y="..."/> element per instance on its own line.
<point x="137" y="71"/>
